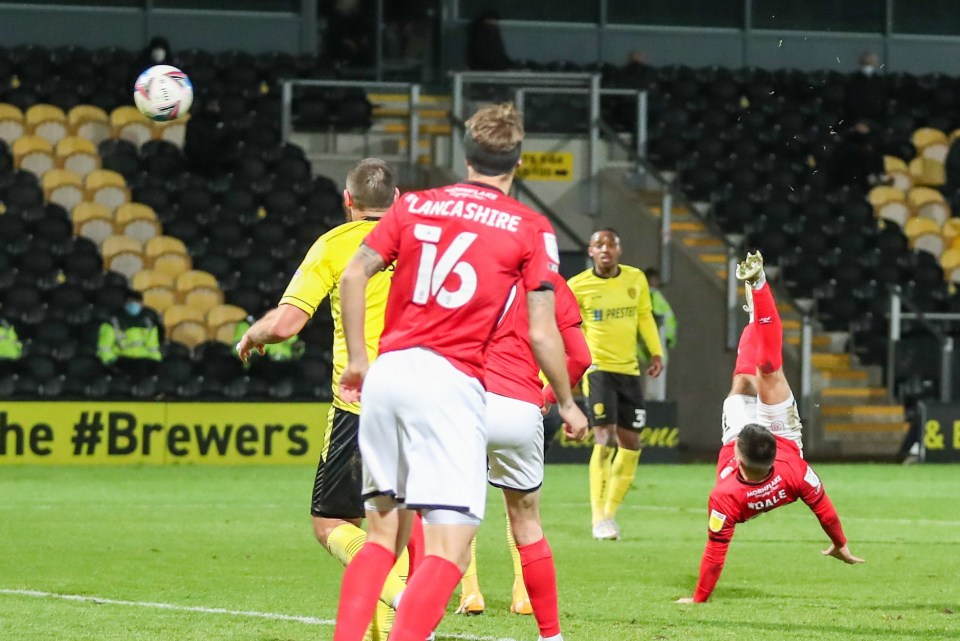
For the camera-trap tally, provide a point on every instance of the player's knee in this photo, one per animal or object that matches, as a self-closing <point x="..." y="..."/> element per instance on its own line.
<point x="628" y="439"/>
<point x="322" y="527"/>
<point x="605" y="435"/>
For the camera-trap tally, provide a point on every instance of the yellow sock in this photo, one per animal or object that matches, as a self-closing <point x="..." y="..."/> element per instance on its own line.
<point x="469" y="583"/>
<point x="346" y="540"/>
<point x="515" y="555"/>
<point x="622" y="471"/>
<point x="382" y="622"/>
<point x="600" y="464"/>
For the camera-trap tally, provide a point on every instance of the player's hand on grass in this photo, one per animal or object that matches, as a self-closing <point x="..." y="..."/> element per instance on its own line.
<point x="842" y="553"/>
<point x="686" y="599"/>
<point x="574" y="422"/>
<point x="352" y="381"/>
<point x="246" y="346"/>
<point x="656" y="366"/>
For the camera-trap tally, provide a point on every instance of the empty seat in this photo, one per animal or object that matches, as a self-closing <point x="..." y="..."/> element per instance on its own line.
<point x="47" y="121"/>
<point x="90" y="123"/>
<point x="131" y="125"/>
<point x="107" y="188"/>
<point x="79" y="155"/>
<point x="12" y="124"/>
<point x="33" y="153"/>
<point x="93" y="221"/>
<point x="123" y="254"/>
<point x="63" y="187"/>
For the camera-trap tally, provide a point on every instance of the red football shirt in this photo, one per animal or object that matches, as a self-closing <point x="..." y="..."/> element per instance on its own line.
<point x="735" y="500"/>
<point x="459" y="250"/>
<point x="512" y="370"/>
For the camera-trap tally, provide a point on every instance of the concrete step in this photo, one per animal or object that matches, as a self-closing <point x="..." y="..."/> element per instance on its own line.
<point x="687" y="226"/>
<point x="865" y="427"/>
<point x="841" y="395"/>
<point x="703" y="241"/>
<point x="872" y="414"/>
<point x="818" y="340"/>
<point x="848" y="377"/>
<point x="713" y="258"/>
<point x="826" y="360"/>
<point x="861" y="444"/>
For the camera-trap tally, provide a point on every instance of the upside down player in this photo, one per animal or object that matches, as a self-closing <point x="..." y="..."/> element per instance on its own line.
<point x="515" y="442"/>
<point x="459" y="250"/>
<point x="336" y="506"/>
<point x="761" y="464"/>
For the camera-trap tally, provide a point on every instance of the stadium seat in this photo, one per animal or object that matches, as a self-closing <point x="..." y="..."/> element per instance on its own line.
<point x="159" y="299"/>
<point x="33" y="153"/>
<point x="47" y="121"/>
<point x="896" y="169"/>
<point x="203" y="299"/>
<point x="139" y="224"/>
<point x="90" y="123"/>
<point x="107" y="188"/>
<point x="63" y="187"/>
<point x="123" y="254"/>
<point x="78" y="155"/>
<point x="223" y="319"/>
<point x="148" y="279"/>
<point x="12" y="125"/>
<point x="131" y="125"/>
<point x="93" y="221"/>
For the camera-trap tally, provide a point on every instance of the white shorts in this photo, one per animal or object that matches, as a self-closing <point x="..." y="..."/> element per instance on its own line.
<point x="422" y="435"/>
<point x="514" y="444"/>
<point x="782" y="419"/>
<point x="738" y="410"/>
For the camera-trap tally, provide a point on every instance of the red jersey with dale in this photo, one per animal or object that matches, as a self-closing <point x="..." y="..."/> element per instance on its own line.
<point x="512" y="370"/>
<point x="459" y="250"/>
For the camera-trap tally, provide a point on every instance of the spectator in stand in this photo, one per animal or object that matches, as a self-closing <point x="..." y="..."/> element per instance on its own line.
<point x="655" y="389"/>
<point x="10" y="347"/>
<point x="866" y="96"/>
<point x="485" y="48"/>
<point x="157" y="52"/>
<point x="129" y="343"/>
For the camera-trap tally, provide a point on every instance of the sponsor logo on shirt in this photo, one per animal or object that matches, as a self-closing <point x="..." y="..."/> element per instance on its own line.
<point x="812" y="479"/>
<point x="717" y="519"/>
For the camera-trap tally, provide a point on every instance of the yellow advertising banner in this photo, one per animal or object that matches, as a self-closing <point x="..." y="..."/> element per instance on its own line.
<point x="158" y="433"/>
<point x="546" y="165"/>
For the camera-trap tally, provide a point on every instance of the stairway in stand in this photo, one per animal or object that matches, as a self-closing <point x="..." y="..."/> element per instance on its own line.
<point x="852" y="414"/>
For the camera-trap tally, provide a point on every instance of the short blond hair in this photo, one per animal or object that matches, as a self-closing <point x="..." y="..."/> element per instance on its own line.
<point x="497" y="128"/>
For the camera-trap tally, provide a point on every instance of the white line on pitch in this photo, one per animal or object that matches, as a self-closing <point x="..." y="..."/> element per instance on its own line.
<point x="274" y="616"/>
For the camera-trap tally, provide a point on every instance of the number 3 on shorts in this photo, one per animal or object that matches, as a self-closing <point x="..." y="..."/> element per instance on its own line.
<point x="639" y="418"/>
<point x="432" y="273"/>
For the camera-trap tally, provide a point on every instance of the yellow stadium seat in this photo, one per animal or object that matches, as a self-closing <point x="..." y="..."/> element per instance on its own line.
<point x="149" y="279"/>
<point x="159" y="298"/>
<point x="134" y="211"/>
<point x="883" y="194"/>
<point x="12" y="126"/>
<point x="225" y="333"/>
<point x="78" y="155"/>
<point x="918" y="226"/>
<point x="164" y="245"/>
<point x="174" y="131"/>
<point x="921" y="195"/>
<point x="90" y="123"/>
<point x="93" y="221"/>
<point x="34" y="154"/>
<point x="950" y="259"/>
<point x="892" y="163"/>
<point x="936" y="210"/>
<point x="951" y="229"/>
<point x="203" y="299"/>
<point x="173" y="264"/>
<point x="131" y="125"/>
<point x="895" y="211"/>
<point x="143" y="229"/>
<point x="195" y="279"/>
<point x="189" y="334"/>
<point x="927" y="171"/>
<point x="931" y="242"/>
<point x="927" y="136"/>
<point x="47" y="121"/>
<point x="107" y="188"/>
<point x="222" y="315"/>
<point x="63" y="187"/>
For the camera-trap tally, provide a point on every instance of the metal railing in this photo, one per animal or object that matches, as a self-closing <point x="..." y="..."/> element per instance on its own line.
<point x="413" y="102"/>
<point x="928" y="321"/>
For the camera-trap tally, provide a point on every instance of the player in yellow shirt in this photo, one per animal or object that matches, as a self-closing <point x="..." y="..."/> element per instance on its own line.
<point x="615" y="305"/>
<point x="337" y="507"/>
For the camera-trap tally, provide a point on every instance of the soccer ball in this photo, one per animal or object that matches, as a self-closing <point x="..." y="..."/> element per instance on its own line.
<point x="163" y="93"/>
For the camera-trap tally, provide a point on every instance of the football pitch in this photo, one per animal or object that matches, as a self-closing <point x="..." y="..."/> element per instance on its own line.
<point x="227" y="553"/>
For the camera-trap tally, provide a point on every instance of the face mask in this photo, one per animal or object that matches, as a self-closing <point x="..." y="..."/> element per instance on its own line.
<point x="158" y="54"/>
<point x="133" y="308"/>
<point x="867" y="70"/>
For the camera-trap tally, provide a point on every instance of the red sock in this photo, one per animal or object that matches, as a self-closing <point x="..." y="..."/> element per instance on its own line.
<point x="415" y="545"/>
<point x="425" y="599"/>
<point x="747" y="351"/>
<point x="769" y="330"/>
<point x="362" y="583"/>
<point x="540" y="577"/>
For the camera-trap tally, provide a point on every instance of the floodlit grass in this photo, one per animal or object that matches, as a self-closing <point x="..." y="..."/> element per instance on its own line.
<point x="239" y="539"/>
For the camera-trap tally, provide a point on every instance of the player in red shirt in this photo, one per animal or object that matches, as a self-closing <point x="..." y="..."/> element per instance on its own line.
<point x="761" y="464"/>
<point x="515" y="442"/>
<point x="459" y="250"/>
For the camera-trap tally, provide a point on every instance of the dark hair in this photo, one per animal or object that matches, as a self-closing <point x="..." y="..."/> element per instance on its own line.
<point x="609" y="230"/>
<point x="757" y="447"/>
<point x="372" y="184"/>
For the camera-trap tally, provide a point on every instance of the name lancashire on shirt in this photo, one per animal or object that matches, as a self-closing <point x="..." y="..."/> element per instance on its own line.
<point x="465" y="210"/>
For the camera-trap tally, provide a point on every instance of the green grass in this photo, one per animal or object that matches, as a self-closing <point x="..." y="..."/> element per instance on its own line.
<point x="239" y="539"/>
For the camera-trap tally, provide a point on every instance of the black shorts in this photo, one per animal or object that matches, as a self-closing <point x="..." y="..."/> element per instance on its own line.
<point x="337" y="488"/>
<point x="616" y="399"/>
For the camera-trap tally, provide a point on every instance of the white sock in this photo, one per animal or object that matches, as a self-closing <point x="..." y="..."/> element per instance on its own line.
<point x="556" y="637"/>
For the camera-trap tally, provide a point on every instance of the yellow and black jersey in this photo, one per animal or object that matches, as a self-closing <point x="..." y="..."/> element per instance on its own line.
<point x="614" y="311"/>
<point x="319" y="276"/>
